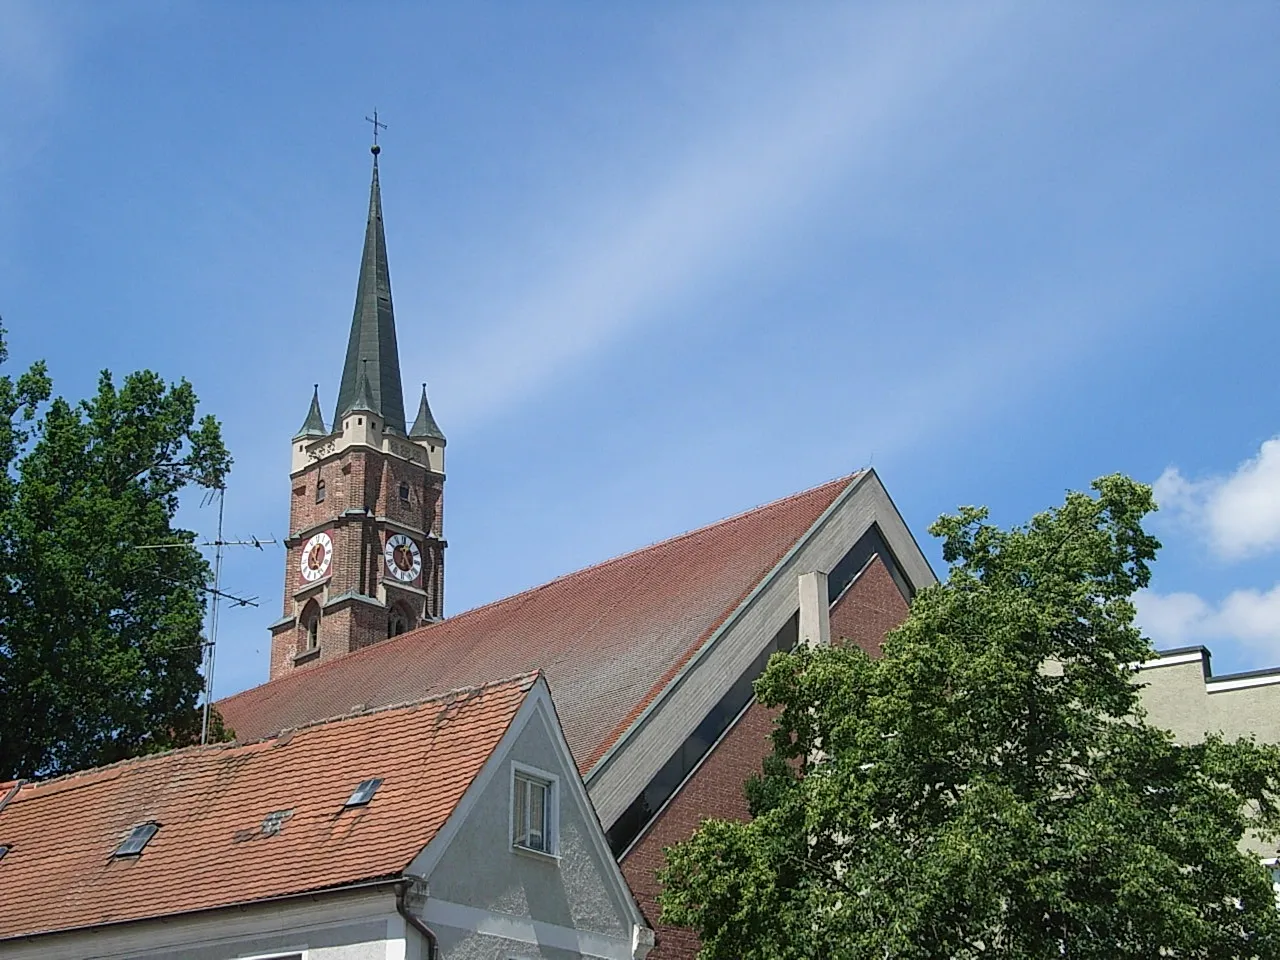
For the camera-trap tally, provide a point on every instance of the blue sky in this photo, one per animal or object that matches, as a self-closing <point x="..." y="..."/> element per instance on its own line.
<point x="663" y="262"/>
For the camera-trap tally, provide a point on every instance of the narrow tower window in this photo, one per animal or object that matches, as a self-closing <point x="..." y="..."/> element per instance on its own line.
<point x="397" y="623"/>
<point x="319" y="491"/>
<point x="310" y="624"/>
<point x="404" y="492"/>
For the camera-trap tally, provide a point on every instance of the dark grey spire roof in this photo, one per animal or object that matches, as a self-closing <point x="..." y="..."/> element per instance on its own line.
<point x="424" y="424"/>
<point x="313" y="426"/>
<point x="373" y="327"/>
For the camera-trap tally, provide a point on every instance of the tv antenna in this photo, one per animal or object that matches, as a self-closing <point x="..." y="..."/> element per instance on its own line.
<point x="216" y="595"/>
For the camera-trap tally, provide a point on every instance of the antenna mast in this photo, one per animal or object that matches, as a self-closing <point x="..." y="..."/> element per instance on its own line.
<point x="216" y="596"/>
<point x="211" y="649"/>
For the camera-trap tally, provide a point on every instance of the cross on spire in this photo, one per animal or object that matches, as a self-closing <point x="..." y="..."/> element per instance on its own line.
<point x="376" y="126"/>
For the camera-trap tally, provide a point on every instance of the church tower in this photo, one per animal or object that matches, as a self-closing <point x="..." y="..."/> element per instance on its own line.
<point x="366" y="541"/>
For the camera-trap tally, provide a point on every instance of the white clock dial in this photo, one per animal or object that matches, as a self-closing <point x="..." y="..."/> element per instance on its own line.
<point x="403" y="558"/>
<point x="317" y="557"/>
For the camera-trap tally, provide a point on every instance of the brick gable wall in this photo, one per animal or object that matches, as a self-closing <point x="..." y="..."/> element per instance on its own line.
<point x="714" y="790"/>
<point x="870" y="608"/>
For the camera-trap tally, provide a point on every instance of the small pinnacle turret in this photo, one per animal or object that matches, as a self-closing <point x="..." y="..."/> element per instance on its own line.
<point x="363" y="400"/>
<point x="424" y="424"/>
<point x="313" y="426"/>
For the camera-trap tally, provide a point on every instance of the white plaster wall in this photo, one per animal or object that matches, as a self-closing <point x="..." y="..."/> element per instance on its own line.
<point x="353" y="926"/>
<point x="1177" y="698"/>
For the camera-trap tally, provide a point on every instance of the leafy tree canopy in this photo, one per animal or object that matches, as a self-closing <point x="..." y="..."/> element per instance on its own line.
<point x="989" y="787"/>
<point x="100" y="642"/>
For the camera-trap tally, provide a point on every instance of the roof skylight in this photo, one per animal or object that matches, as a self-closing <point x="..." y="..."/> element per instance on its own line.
<point x="136" y="840"/>
<point x="4" y="848"/>
<point x="364" y="792"/>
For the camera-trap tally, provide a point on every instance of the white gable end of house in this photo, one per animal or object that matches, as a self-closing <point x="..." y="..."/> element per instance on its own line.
<point x="484" y="896"/>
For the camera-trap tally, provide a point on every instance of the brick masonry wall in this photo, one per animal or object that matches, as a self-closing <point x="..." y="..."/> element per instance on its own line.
<point x="864" y="614"/>
<point x="715" y="790"/>
<point x="869" y="609"/>
<point x="359" y="479"/>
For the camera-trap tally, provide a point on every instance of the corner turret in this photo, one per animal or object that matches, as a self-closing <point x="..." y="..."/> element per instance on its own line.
<point x="313" y="426"/>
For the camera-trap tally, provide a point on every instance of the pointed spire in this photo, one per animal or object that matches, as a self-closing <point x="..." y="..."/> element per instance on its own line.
<point x="424" y="424"/>
<point x="372" y="343"/>
<point x="313" y="426"/>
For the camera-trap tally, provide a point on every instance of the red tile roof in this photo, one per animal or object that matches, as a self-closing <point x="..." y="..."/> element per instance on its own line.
<point x="608" y="638"/>
<point x="210" y="803"/>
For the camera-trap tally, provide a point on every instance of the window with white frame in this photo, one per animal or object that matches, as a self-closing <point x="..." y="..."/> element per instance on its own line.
<point x="533" y="810"/>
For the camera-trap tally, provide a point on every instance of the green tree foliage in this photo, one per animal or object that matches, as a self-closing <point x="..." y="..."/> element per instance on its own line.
<point x="100" y="643"/>
<point x="989" y="788"/>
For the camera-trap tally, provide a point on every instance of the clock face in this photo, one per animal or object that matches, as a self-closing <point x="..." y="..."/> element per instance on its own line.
<point x="317" y="557"/>
<point x="403" y="558"/>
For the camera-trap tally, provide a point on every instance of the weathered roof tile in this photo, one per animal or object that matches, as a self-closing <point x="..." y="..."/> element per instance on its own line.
<point x="608" y="638"/>
<point x="210" y="802"/>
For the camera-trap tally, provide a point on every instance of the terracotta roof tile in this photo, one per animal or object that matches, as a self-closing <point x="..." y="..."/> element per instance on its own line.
<point x="210" y="802"/>
<point x="608" y="638"/>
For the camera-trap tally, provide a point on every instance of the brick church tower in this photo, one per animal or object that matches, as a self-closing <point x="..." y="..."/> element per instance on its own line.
<point x="365" y="548"/>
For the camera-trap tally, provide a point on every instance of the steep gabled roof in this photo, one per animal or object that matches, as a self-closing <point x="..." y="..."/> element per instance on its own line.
<point x="608" y="638"/>
<point x="210" y="802"/>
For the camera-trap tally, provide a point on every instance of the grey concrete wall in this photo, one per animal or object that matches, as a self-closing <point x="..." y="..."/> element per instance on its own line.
<point x="481" y="870"/>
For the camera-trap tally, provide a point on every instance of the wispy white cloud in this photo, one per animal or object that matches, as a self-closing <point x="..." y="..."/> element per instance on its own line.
<point x="1247" y="617"/>
<point x="683" y="229"/>
<point x="1238" y="514"/>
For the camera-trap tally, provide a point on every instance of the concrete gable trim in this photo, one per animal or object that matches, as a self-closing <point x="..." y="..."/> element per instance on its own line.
<point x="657" y="815"/>
<point x="608" y="756"/>
<point x="488" y="923"/>
<point x="722" y="658"/>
